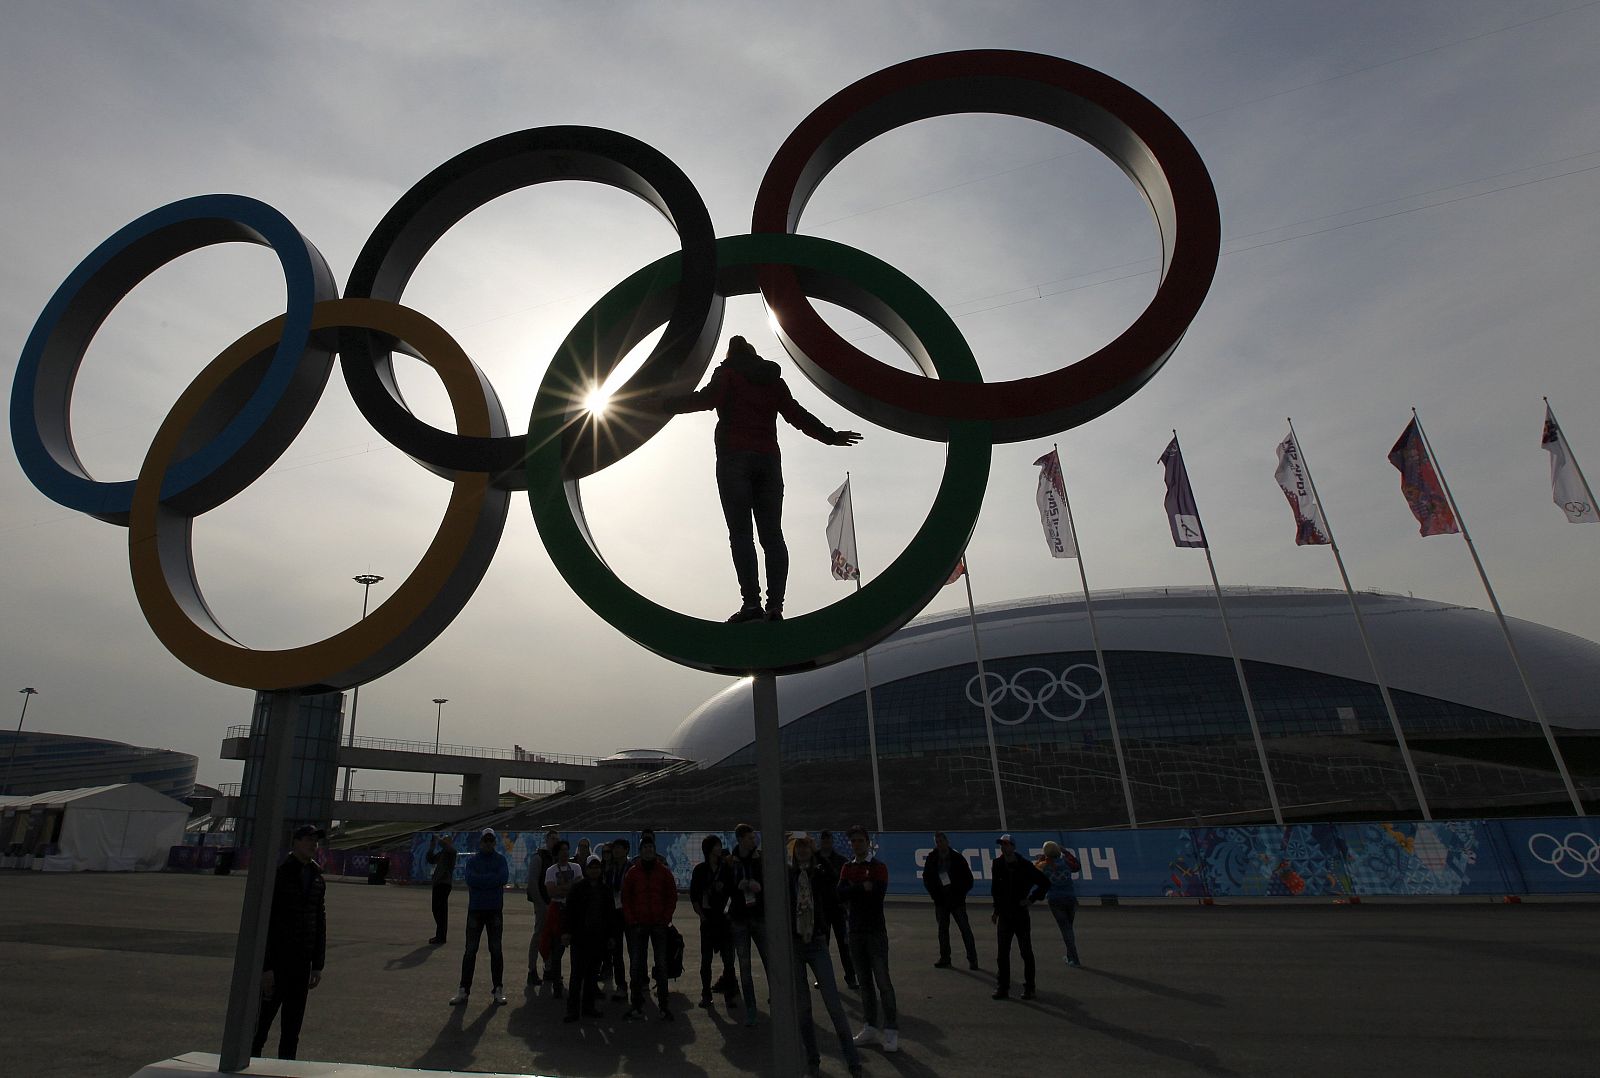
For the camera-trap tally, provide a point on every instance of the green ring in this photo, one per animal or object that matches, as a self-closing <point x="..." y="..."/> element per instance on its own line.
<point x="833" y="271"/>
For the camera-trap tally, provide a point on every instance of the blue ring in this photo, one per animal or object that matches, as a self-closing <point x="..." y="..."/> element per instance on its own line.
<point x="42" y="392"/>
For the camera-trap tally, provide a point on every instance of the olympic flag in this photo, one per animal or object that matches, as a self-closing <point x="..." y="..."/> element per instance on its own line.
<point x="842" y="535"/>
<point x="1053" y="511"/>
<point x="1419" y="482"/>
<point x="1182" y="513"/>
<point x="1309" y="527"/>
<point x="1567" y="487"/>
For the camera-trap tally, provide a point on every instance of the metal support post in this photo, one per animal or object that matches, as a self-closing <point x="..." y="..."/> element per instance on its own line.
<point x="787" y="1058"/>
<point x="266" y="842"/>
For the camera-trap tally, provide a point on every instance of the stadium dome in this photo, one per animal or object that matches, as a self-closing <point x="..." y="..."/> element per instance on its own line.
<point x="1180" y="712"/>
<point x="38" y="761"/>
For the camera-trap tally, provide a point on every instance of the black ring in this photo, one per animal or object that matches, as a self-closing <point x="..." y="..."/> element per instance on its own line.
<point x="470" y="180"/>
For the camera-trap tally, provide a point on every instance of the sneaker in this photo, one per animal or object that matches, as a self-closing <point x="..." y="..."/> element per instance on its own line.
<point x="632" y="1014"/>
<point x="499" y="996"/>
<point x="705" y="1000"/>
<point x="436" y="940"/>
<point x="666" y="1015"/>
<point x="868" y="1035"/>
<point x="1001" y="994"/>
<point x="972" y="963"/>
<point x="747" y="613"/>
<point x="852" y="984"/>
<point x="1074" y="963"/>
<point x="943" y="963"/>
<point x="891" y="1040"/>
<point x="774" y="613"/>
<point x="459" y="998"/>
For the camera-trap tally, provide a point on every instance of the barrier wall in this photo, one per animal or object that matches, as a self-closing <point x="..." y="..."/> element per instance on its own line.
<point x="1554" y="855"/>
<point x="1457" y="857"/>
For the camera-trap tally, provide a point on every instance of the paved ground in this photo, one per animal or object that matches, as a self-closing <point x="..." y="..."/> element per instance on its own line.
<point x="102" y="974"/>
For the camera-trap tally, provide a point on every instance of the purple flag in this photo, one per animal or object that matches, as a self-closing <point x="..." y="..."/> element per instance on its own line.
<point x="1182" y="514"/>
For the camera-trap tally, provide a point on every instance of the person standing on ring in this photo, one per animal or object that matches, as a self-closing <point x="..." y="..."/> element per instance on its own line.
<point x="749" y="394"/>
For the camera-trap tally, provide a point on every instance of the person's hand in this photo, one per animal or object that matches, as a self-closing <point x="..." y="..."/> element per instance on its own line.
<point x="845" y="437"/>
<point x="755" y="888"/>
<point x="994" y="918"/>
<point x="316" y="978"/>
<point x="268" y="982"/>
<point x="566" y="938"/>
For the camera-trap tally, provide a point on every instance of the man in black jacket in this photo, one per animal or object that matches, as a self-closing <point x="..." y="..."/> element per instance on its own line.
<point x="1017" y="884"/>
<point x="583" y="929"/>
<point x="442" y="856"/>
<point x="538" y="865"/>
<point x="297" y="943"/>
<point x="948" y="878"/>
<point x="710" y="889"/>
<point x="835" y="861"/>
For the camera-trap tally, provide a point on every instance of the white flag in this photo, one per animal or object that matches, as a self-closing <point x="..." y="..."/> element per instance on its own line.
<point x="842" y="535"/>
<point x="1309" y="527"/>
<point x="1566" y="485"/>
<point x="1053" y="512"/>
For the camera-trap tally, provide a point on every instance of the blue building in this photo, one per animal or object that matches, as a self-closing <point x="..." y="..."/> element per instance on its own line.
<point x="46" y="762"/>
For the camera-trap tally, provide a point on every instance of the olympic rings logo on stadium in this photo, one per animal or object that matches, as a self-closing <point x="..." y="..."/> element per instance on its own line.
<point x="1018" y="691"/>
<point x="245" y="408"/>
<point x="1560" y="853"/>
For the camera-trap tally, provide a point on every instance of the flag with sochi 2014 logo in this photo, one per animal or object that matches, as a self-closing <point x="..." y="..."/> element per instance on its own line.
<point x="1567" y="487"/>
<point x="842" y="535"/>
<point x="1053" y="512"/>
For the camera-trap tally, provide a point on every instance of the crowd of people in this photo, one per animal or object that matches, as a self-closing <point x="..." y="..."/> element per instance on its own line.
<point x="603" y="923"/>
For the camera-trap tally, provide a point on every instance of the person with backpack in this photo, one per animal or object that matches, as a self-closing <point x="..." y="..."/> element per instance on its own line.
<point x="1058" y="866"/>
<point x="649" y="896"/>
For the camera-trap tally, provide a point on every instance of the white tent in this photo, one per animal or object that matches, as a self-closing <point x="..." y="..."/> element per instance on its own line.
<point x="124" y="828"/>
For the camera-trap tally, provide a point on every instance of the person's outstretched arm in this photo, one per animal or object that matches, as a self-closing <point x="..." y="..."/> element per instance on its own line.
<point x="804" y="421"/>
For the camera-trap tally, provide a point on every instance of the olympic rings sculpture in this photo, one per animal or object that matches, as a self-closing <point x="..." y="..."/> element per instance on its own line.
<point x="1021" y="693"/>
<point x="1558" y="852"/>
<point x="248" y="404"/>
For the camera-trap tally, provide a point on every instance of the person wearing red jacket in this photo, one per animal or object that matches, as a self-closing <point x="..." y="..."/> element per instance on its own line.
<point x="649" y="896"/>
<point x="749" y="394"/>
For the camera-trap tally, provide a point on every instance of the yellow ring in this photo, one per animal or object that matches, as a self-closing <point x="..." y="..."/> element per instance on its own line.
<point x="413" y="615"/>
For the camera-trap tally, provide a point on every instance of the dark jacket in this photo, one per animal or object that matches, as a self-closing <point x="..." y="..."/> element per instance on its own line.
<point x="862" y="886"/>
<point x="746" y="906"/>
<point x="538" y="864"/>
<point x="1013" y="881"/>
<point x="824" y="889"/>
<point x="297" y="931"/>
<point x="710" y="891"/>
<point x="613" y="874"/>
<point x="749" y="394"/>
<point x="588" y="912"/>
<point x="443" y="862"/>
<point x="956" y="867"/>
<point x="486" y="873"/>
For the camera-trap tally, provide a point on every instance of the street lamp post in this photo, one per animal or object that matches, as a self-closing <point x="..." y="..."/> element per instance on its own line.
<point x="438" y="721"/>
<point x="366" y="580"/>
<point x="27" y="693"/>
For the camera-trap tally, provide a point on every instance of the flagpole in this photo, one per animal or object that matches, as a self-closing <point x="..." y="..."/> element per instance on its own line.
<point x="866" y="671"/>
<point x="1361" y="626"/>
<point x="1238" y="668"/>
<point x="983" y="687"/>
<point x="1099" y="655"/>
<point x="1511" y="645"/>
<point x="1573" y="457"/>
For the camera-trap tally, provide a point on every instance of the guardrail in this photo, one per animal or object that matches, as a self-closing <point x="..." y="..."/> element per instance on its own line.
<point x="391" y="797"/>
<point x="484" y="752"/>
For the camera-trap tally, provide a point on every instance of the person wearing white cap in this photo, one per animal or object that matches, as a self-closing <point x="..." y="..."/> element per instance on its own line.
<point x="487" y="872"/>
<point x="1015" y="884"/>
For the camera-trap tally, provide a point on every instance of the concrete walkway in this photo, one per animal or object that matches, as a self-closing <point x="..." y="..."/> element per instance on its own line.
<point x="109" y="974"/>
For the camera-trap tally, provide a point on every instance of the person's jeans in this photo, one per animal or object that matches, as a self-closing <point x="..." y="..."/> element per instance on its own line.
<point x="584" y="984"/>
<point x="750" y="485"/>
<point x="642" y="938"/>
<point x="1015" y="925"/>
<point x="836" y="925"/>
<point x="552" y="965"/>
<point x="289" y="991"/>
<point x="716" y="938"/>
<point x="815" y="955"/>
<point x="870" y="952"/>
<point x="478" y="921"/>
<point x="540" y="911"/>
<point x="441" y="911"/>
<point x="956" y="908"/>
<point x="617" y="948"/>
<point x="1064" y="910"/>
<point x="751" y="928"/>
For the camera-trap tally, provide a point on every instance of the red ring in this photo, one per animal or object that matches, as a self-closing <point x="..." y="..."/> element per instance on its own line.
<point x="1114" y="118"/>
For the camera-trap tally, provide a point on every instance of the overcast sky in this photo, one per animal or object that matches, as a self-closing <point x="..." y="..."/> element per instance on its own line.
<point x="1409" y="212"/>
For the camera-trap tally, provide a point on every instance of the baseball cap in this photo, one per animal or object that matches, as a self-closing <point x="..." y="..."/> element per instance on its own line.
<point x="1007" y="839"/>
<point x="307" y="831"/>
<point x="487" y="832"/>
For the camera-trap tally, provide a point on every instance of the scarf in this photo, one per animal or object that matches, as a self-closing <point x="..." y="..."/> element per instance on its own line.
<point x="805" y="907"/>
